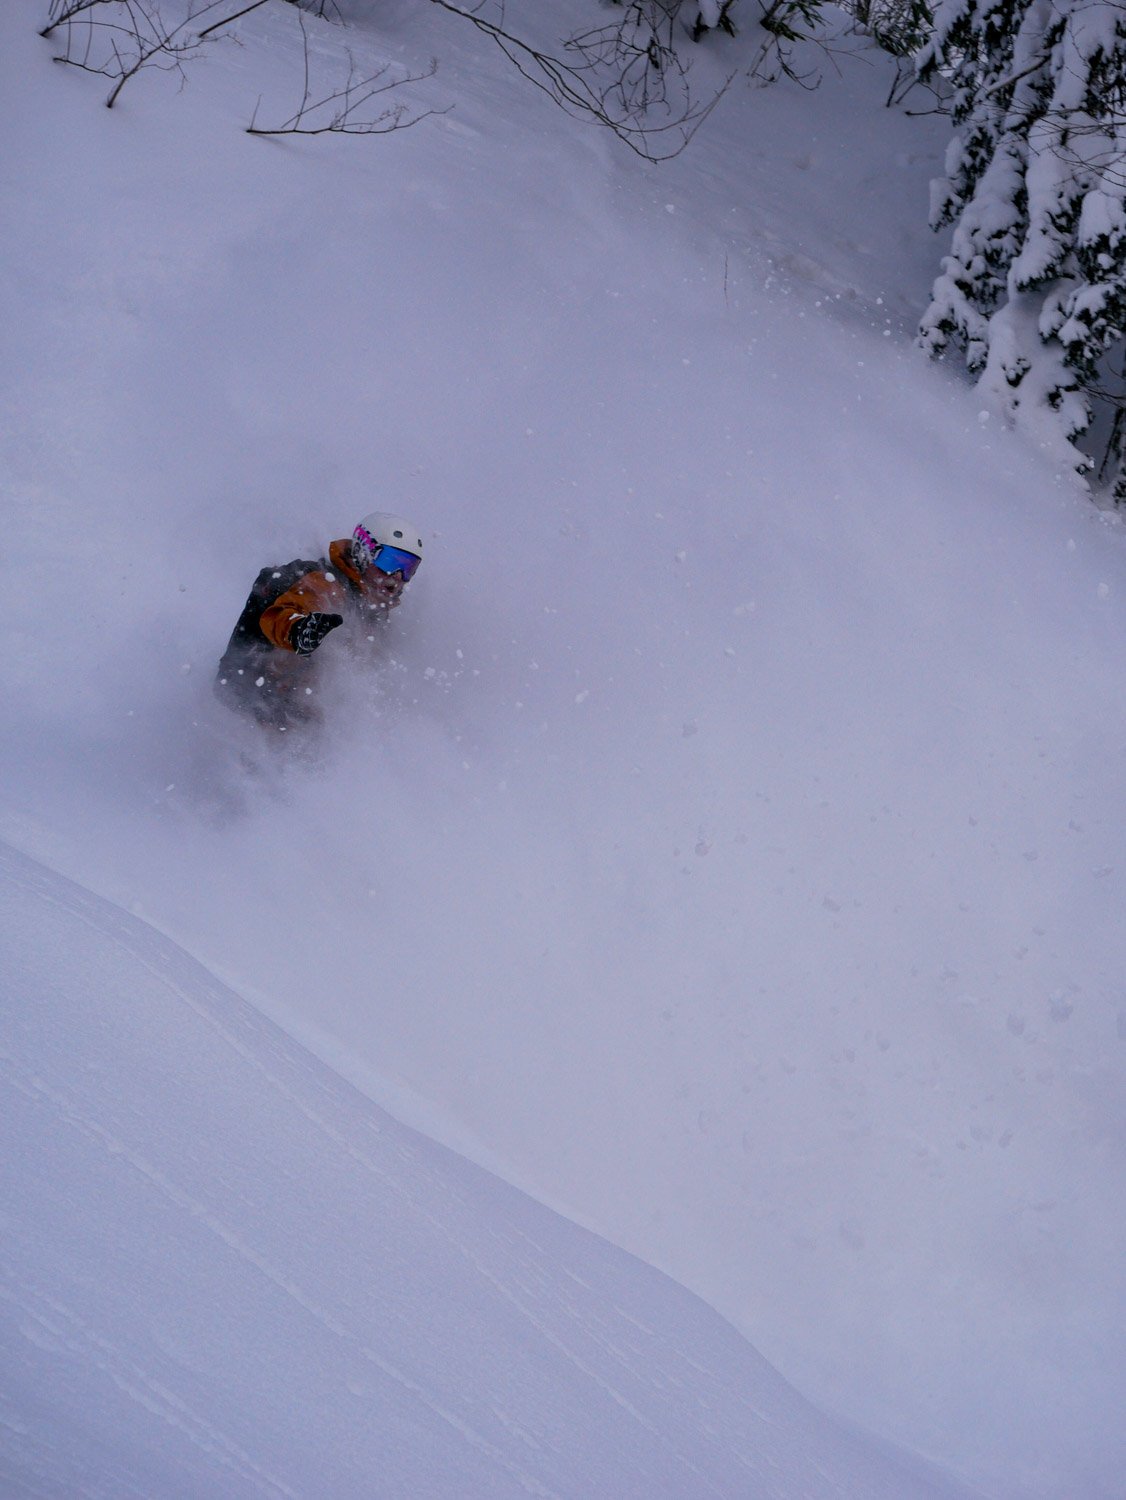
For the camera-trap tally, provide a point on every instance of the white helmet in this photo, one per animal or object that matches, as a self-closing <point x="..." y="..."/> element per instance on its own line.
<point x="388" y="543"/>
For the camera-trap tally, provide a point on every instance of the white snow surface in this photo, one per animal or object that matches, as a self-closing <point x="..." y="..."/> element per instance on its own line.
<point x="227" y="1273"/>
<point x="726" y="849"/>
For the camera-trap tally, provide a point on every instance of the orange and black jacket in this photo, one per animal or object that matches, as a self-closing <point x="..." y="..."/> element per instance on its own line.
<point x="326" y="589"/>
<point x="306" y="588"/>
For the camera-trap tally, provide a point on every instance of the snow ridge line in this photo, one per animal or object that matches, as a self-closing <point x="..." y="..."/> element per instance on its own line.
<point x="580" y="1364"/>
<point x="32" y="1086"/>
<point x="199" y="1211"/>
<point x="79" y="901"/>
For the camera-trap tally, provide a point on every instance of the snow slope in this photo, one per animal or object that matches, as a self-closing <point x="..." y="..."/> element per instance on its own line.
<point x="227" y="1273"/>
<point x="731" y="842"/>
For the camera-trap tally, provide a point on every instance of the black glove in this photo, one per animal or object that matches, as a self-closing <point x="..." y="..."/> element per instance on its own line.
<point x="306" y="634"/>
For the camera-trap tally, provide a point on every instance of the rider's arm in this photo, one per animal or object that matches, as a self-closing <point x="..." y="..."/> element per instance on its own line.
<point x="316" y="592"/>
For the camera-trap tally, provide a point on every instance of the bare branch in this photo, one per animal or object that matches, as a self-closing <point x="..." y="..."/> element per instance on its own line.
<point x="345" y="110"/>
<point x="646" y="78"/>
<point x="228" y="20"/>
<point x="117" y="38"/>
<point x="786" y="23"/>
<point x="62" y="11"/>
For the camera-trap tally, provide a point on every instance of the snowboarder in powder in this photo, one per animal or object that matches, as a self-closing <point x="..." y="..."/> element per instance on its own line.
<point x="267" y="669"/>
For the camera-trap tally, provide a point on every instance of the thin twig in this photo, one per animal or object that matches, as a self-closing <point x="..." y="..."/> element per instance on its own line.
<point x="622" y="105"/>
<point x="348" y="117"/>
<point x="229" y="20"/>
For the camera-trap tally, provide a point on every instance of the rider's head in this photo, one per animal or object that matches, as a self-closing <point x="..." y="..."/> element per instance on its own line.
<point x="386" y="552"/>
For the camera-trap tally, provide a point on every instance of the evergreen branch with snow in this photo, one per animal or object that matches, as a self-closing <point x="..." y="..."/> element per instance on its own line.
<point x="1034" y="287"/>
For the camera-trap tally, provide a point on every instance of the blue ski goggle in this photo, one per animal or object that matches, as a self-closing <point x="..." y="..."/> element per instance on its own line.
<point x="395" y="560"/>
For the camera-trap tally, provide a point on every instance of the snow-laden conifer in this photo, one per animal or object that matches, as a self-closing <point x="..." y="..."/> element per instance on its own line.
<point x="1034" y="287"/>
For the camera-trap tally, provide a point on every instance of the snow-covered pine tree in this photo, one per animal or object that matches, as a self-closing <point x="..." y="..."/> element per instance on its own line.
<point x="1034" y="289"/>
